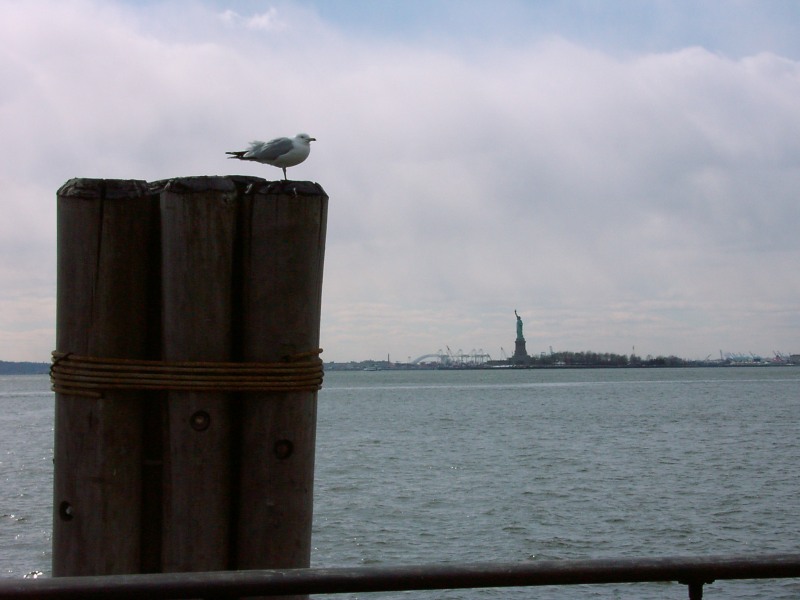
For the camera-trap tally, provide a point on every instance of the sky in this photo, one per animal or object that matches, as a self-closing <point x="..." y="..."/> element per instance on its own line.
<point x="625" y="175"/>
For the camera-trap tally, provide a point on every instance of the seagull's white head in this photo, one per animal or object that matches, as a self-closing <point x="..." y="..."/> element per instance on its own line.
<point x="305" y="138"/>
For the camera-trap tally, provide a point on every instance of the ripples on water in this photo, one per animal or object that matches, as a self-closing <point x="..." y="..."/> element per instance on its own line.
<point x="527" y="465"/>
<point x="442" y="466"/>
<point x="26" y="471"/>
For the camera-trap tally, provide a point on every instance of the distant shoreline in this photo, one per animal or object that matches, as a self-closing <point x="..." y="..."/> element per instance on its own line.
<point x="37" y="368"/>
<point x="369" y="366"/>
<point x="23" y="368"/>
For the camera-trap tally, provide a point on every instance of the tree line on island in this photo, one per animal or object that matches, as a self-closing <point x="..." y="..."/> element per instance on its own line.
<point x="23" y="368"/>
<point x="605" y="359"/>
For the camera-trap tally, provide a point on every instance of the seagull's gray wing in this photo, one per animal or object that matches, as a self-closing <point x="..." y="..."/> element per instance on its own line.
<point x="271" y="150"/>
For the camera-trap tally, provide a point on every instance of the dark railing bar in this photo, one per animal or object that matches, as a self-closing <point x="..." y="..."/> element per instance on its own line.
<point x="691" y="571"/>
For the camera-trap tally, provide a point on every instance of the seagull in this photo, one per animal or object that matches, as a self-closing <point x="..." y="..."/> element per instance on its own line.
<point x="281" y="152"/>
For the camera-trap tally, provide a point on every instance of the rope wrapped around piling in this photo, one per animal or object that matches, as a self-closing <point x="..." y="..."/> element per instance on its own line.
<point x="75" y="375"/>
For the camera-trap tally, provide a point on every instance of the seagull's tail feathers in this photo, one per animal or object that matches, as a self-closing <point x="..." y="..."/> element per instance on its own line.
<point x="247" y="154"/>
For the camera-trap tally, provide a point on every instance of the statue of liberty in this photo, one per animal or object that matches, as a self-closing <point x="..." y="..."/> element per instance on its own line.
<point x="520" y="353"/>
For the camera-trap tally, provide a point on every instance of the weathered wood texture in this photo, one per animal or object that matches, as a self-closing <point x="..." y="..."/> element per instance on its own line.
<point x="191" y="269"/>
<point x="105" y="244"/>
<point x="282" y="261"/>
<point x="198" y="233"/>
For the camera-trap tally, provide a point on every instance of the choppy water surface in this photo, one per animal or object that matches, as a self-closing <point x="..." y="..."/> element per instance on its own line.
<point x="443" y="466"/>
<point x="26" y="474"/>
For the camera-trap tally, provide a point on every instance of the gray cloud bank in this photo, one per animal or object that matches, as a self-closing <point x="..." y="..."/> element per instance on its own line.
<point x="648" y="200"/>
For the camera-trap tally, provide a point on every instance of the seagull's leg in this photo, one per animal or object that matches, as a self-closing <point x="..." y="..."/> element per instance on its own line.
<point x="284" y="174"/>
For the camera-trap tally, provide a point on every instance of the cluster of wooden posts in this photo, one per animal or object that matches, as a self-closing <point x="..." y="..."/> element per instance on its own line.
<point x="203" y="271"/>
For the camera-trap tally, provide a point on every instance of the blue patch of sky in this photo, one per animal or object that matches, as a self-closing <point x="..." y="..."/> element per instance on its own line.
<point x="734" y="28"/>
<point x="731" y="27"/>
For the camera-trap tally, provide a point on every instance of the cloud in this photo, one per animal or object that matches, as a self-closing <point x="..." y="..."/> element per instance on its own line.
<point x="647" y="199"/>
<point x="267" y="21"/>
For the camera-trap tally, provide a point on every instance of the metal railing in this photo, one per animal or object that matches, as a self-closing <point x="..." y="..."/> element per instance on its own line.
<point x="694" y="572"/>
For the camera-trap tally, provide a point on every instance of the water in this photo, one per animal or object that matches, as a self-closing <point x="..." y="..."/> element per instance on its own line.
<point x="26" y="474"/>
<point x="461" y="466"/>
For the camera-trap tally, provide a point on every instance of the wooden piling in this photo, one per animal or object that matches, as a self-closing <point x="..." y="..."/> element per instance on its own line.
<point x="283" y="233"/>
<point x="198" y="232"/>
<point x="208" y="273"/>
<point x="105" y="246"/>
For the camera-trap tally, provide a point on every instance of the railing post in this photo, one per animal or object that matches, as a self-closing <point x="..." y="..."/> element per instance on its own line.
<point x="696" y="587"/>
<point x="696" y="590"/>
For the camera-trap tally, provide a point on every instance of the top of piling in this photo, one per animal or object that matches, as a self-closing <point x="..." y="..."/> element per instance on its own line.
<point x="82" y="187"/>
<point x="85" y="187"/>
